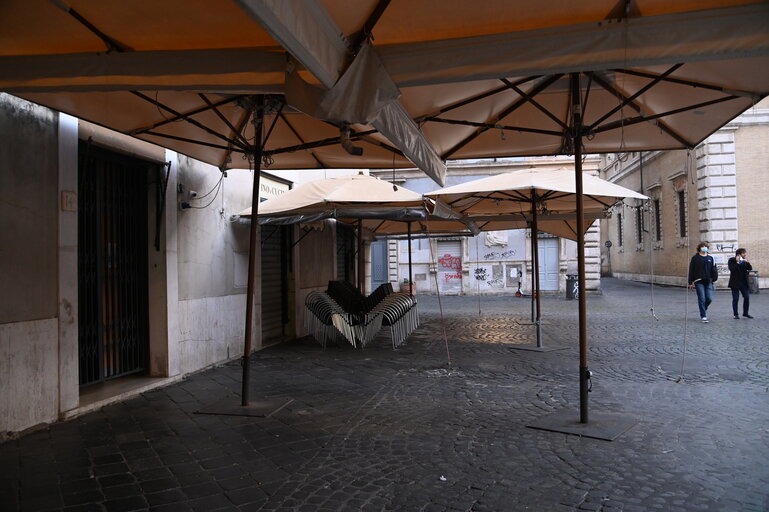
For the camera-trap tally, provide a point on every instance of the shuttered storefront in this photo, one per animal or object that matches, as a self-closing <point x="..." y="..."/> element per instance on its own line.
<point x="450" y="266"/>
<point x="112" y="264"/>
<point x="274" y="282"/>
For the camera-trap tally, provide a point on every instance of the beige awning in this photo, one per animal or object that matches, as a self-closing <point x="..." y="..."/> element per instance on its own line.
<point x="481" y="80"/>
<point x="504" y="201"/>
<point x="346" y="197"/>
<point x="553" y="190"/>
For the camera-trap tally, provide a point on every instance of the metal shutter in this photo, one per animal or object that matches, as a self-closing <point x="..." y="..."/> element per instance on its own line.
<point x="450" y="266"/>
<point x="345" y="252"/>
<point x="272" y="283"/>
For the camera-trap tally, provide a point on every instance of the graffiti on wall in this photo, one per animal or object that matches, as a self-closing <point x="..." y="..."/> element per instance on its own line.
<point x="494" y="255"/>
<point x="450" y="262"/>
<point x="450" y="267"/>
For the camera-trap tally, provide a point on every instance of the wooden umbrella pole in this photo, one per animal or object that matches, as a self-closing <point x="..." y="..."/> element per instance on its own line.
<point x="535" y="258"/>
<point x="258" y="122"/>
<point x="361" y="259"/>
<point x="533" y="239"/>
<point x="584" y="374"/>
<point x="411" y="279"/>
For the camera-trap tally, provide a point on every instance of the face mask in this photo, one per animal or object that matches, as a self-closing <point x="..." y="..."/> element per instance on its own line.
<point x="704" y="249"/>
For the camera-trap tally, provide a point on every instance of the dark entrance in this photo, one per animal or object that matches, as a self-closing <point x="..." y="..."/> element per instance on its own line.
<point x="113" y="322"/>
<point x="275" y="269"/>
<point x="345" y="253"/>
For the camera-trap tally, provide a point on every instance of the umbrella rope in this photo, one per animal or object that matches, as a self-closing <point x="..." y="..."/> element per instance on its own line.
<point x="438" y="290"/>
<point x="655" y="320"/>
<point x="687" y="168"/>
<point x="477" y="280"/>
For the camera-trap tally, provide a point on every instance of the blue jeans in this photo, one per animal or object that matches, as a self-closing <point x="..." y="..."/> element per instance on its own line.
<point x="745" y="291"/>
<point x="704" y="296"/>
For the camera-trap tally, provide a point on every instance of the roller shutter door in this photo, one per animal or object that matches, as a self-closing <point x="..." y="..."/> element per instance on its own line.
<point x="345" y="253"/>
<point x="450" y="266"/>
<point x="274" y="281"/>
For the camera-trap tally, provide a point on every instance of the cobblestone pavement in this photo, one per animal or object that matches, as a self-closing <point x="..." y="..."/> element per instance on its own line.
<point x="401" y="430"/>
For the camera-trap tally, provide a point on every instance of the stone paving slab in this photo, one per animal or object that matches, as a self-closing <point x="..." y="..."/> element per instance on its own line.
<point x="378" y="429"/>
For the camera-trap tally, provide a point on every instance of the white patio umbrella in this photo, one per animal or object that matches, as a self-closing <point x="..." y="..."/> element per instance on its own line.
<point x="364" y="200"/>
<point x="355" y="196"/>
<point x="539" y="196"/>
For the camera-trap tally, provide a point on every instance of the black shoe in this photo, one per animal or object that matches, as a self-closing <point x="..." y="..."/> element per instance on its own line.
<point x="736" y="317"/>
<point x="747" y="316"/>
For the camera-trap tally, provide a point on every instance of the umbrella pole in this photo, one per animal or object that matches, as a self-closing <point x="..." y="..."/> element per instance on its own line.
<point x="535" y="261"/>
<point x="584" y="374"/>
<point x="361" y="258"/>
<point x="411" y="279"/>
<point x="533" y="238"/>
<point x="258" y="122"/>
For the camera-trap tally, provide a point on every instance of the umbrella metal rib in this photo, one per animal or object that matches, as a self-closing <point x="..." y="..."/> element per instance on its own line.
<point x="536" y="89"/>
<point x="301" y="140"/>
<point x="621" y="96"/>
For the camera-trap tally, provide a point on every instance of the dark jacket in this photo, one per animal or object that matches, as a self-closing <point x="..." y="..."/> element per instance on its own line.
<point x="697" y="269"/>
<point x="738" y="273"/>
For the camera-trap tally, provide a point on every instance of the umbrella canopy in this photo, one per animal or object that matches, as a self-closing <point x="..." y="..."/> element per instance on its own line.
<point x="558" y="225"/>
<point x="651" y="74"/>
<point x="513" y="193"/>
<point x="537" y="78"/>
<point x="355" y="196"/>
<point x="352" y="198"/>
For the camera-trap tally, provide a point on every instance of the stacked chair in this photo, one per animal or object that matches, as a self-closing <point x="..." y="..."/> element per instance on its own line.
<point x="343" y="312"/>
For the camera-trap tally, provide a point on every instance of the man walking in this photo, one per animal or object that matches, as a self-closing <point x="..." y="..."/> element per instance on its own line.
<point x="702" y="274"/>
<point x="739" y="266"/>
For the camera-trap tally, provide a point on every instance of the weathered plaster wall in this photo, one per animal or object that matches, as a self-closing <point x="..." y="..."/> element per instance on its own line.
<point x="212" y="261"/>
<point x="29" y="234"/>
<point x="29" y="375"/>
<point x="28" y="211"/>
<point x="208" y="238"/>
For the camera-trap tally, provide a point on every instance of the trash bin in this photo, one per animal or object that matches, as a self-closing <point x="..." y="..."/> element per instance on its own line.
<point x="572" y="287"/>
<point x="753" y="281"/>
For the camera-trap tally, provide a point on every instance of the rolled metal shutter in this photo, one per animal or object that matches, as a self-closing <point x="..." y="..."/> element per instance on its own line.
<point x="272" y="283"/>
<point x="345" y="252"/>
<point x="449" y="266"/>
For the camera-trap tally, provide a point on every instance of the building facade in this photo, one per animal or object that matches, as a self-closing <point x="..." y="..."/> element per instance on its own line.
<point x="124" y="266"/>
<point x="714" y="193"/>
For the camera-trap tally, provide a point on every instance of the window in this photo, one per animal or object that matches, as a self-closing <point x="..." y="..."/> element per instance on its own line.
<point x="619" y="229"/>
<point x="681" y="214"/>
<point x="639" y="223"/>
<point x="657" y="221"/>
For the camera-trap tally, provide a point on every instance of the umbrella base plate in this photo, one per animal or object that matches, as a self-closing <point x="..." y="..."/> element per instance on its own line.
<point x="604" y="426"/>
<point x="230" y="406"/>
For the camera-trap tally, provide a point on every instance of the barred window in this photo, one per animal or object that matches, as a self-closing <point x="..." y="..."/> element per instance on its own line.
<point x="657" y="221"/>
<point x="619" y="229"/>
<point x="681" y="214"/>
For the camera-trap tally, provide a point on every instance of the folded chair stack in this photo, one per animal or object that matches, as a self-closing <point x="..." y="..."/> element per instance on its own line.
<point x="343" y="312"/>
<point x="399" y="311"/>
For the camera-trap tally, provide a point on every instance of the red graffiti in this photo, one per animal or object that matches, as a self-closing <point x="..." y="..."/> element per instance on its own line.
<point x="449" y="261"/>
<point x="448" y="277"/>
